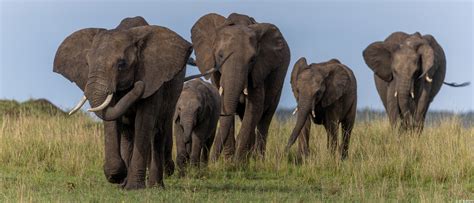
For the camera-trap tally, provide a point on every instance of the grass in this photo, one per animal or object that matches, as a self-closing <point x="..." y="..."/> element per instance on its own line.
<point x="55" y="158"/>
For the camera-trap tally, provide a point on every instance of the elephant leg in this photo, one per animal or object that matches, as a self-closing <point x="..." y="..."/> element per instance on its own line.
<point x="182" y="155"/>
<point x="168" y="149"/>
<point x="262" y="132"/>
<point x="229" y="144"/>
<point x="207" y="147"/>
<point x="392" y="108"/>
<point x="126" y="143"/>
<point x="195" y="150"/>
<point x="303" y="143"/>
<point x="115" y="169"/>
<point x="421" y="109"/>
<point x="253" y="114"/>
<point x="144" y="129"/>
<point x="221" y="138"/>
<point x="347" y="125"/>
<point x="331" y="129"/>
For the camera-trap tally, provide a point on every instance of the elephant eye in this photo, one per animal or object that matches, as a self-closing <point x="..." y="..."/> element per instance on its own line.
<point x="121" y="64"/>
<point x="318" y="93"/>
<point x="253" y="59"/>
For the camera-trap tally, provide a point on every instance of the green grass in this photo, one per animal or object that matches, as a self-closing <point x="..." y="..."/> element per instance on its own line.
<point x="57" y="158"/>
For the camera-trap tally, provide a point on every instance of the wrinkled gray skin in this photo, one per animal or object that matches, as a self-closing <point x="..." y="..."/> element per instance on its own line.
<point x="143" y="66"/>
<point x="195" y="122"/>
<point x="409" y="71"/>
<point x="250" y="55"/>
<point x="327" y="94"/>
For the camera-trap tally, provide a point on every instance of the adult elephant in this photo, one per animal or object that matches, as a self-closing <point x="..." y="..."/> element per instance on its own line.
<point x="248" y="62"/>
<point x="409" y="71"/>
<point x="132" y="77"/>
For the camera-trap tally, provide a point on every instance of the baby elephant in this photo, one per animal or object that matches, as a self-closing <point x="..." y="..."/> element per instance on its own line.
<point x="328" y="91"/>
<point x="195" y="122"/>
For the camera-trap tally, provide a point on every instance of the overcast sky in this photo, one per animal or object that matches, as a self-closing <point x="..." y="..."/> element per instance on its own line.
<point x="32" y="31"/>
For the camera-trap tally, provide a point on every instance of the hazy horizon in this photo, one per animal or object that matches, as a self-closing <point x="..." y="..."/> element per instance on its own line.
<point x="31" y="31"/>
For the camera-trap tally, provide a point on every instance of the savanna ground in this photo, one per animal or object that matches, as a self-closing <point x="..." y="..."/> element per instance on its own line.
<point x="58" y="158"/>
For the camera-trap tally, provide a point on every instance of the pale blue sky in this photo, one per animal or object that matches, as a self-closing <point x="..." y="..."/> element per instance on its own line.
<point x="31" y="32"/>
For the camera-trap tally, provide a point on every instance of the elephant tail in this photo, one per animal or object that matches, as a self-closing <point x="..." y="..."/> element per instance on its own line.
<point x="453" y="84"/>
<point x="191" y="61"/>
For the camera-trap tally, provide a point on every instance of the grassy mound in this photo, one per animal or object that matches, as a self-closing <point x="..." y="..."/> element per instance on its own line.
<point x="36" y="107"/>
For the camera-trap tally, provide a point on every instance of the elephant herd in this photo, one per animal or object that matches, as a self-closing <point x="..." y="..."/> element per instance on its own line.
<point x="134" y="79"/>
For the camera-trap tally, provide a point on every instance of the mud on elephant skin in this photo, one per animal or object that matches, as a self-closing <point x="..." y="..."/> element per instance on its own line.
<point x="409" y="71"/>
<point x="245" y="57"/>
<point x="132" y="76"/>
<point x="326" y="94"/>
<point x="195" y="122"/>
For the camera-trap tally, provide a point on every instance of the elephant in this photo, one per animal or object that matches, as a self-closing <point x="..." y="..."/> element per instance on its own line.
<point x="409" y="71"/>
<point x="328" y="91"/>
<point x="132" y="77"/>
<point x="195" y="122"/>
<point x="247" y="61"/>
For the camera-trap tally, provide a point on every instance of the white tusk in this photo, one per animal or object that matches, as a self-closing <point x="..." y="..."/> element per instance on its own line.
<point x="396" y="93"/>
<point x="412" y="95"/>
<point x="246" y="92"/>
<point x="79" y="105"/>
<point x="313" y="113"/>
<point x="428" y="79"/>
<point x="296" y="110"/>
<point x="103" y="105"/>
<point x="221" y="90"/>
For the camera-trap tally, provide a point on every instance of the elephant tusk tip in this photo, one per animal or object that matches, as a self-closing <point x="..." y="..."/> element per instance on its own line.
<point x="412" y="95"/>
<point x="428" y="79"/>
<point x="395" y="95"/>
<point x="294" y="112"/>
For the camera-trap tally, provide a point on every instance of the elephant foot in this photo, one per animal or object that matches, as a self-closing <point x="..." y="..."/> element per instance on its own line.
<point x="133" y="185"/>
<point x="169" y="168"/>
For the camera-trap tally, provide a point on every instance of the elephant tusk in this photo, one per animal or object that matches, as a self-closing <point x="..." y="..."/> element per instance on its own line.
<point x="221" y="90"/>
<point x="103" y="105"/>
<point x="294" y="112"/>
<point x="412" y="95"/>
<point x="246" y="93"/>
<point x="396" y="93"/>
<point x="79" y="105"/>
<point x="313" y="114"/>
<point x="428" y="79"/>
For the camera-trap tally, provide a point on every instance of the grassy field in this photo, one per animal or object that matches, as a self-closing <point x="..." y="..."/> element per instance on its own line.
<point x="58" y="158"/>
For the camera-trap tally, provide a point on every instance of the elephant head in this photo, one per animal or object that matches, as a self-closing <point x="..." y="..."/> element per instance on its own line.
<point x="240" y="52"/>
<point x="121" y="65"/>
<point x="316" y="86"/>
<point x="407" y="61"/>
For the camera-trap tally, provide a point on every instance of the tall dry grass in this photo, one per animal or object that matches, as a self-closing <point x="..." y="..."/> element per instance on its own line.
<point x="43" y="157"/>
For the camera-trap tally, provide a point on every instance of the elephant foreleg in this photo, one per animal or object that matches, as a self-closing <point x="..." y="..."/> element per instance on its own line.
<point x="332" y="127"/>
<point x="207" y="147"/>
<point x="253" y="114"/>
<point x="195" y="150"/>
<point x="421" y="109"/>
<point x="126" y="143"/>
<point x="114" y="168"/>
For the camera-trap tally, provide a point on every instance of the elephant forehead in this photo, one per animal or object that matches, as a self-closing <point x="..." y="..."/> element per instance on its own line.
<point x="111" y="42"/>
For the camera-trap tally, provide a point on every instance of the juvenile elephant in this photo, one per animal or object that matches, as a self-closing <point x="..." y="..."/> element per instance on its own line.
<point x="132" y="76"/>
<point x="248" y="62"/>
<point x="195" y="122"/>
<point x="328" y="91"/>
<point x="409" y="71"/>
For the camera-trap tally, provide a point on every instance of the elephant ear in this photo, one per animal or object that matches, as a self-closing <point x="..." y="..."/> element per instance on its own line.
<point x="379" y="58"/>
<point x="431" y="55"/>
<point x="239" y="19"/>
<point x="336" y="81"/>
<point x="299" y="66"/>
<point x="70" y="60"/>
<point x="163" y="55"/>
<point x="203" y="35"/>
<point x="272" y="52"/>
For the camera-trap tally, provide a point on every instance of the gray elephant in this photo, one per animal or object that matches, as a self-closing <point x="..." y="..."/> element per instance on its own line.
<point x="195" y="122"/>
<point x="409" y="71"/>
<point x="248" y="62"/>
<point x="327" y="94"/>
<point x="132" y="76"/>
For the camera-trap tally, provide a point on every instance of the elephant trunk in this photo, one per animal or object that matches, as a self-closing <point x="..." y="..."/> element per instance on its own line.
<point x="405" y="99"/>
<point x="187" y="122"/>
<point x="304" y="108"/>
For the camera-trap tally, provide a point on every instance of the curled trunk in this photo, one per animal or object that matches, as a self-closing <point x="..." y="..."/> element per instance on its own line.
<point x="304" y="108"/>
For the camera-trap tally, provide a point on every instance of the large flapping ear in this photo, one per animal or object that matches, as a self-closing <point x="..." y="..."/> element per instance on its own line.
<point x="163" y="54"/>
<point x="379" y="58"/>
<point x="297" y="68"/>
<point x="273" y="52"/>
<point x="337" y="81"/>
<point x="431" y="54"/>
<point x="70" y="60"/>
<point x="131" y="22"/>
<point x="203" y="35"/>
